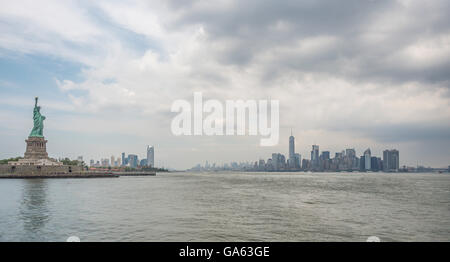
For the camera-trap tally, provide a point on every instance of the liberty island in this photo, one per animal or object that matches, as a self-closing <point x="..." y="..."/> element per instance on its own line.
<point x="36" y="150"/>
<point x="36" y="163"/>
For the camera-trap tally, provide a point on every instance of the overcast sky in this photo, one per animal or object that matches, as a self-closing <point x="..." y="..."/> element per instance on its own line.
<point x="348" y="74"/>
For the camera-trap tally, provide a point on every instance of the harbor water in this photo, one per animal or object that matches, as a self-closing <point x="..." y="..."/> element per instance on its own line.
<point x="229" y="206"/>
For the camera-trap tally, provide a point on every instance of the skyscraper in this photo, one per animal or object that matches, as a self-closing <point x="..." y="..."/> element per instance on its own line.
<point x="367" y="159"/>
<point x="350" y="160"/>
<point x="375" y="163"/>
<point x="315" y="156"/>
<point x="261" y="164"/>
<point x="350" y="152"/>
<point x="278" y="161"/>
<point x="391" y="160"/>
<point x="275" y="161"/>
<point x="105" y="162"/>
<point x="325" y="155"/>
<point x="291" y="146"/>
<point x="150" y="156"/>
<point x="305" y="164"/>
<point x="292" y="159"/>
<point x="133" y="160"/>
<point x="395" y="159"/>
<point x="298" y="158"/>
<point x="123" y="159"/>
<point x="324" y="160"/>
<point x="362" y="163"/>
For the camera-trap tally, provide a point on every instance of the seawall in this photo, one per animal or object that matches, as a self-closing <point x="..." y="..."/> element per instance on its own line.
<point x="37" y="171"/>
<point x="59" y="175"/>
<point x="34" y="171"/>
<point x="28" y="170"/>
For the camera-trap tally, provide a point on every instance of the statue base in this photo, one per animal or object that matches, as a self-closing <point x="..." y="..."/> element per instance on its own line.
<point x="36" y="154"/>
<point x="36" y="148"/>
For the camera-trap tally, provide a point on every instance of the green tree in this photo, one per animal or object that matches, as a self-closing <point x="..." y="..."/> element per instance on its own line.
<point x="68" y="162"/>
<point x="5" y="161"/>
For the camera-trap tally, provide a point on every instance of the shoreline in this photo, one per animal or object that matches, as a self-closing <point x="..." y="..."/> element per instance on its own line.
<point x="76" y="175"/>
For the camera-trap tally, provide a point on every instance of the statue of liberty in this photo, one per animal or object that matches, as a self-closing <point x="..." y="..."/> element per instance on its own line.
<point x="38" y="121"/>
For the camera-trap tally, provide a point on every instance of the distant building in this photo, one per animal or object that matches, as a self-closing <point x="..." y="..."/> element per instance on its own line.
<point x="91" y="162"/>
<point x="261" y="164"/>
<point x="292" y="160"/>
<point x="143" y="162"/>
<point x="355" y="163"/>
<point x="278" y="161"/>
<point x="315" y="157"/>
<point x="124" y="160"/>
<point x="367" y="159"/>
<point x="291" y="146"/>
<point x="350" y="152"/>
<point x="305" y="164"/>
<point x="105" y="162"/>
<point x="150" y="156"/>
<point x="350" y="159"/>
<point x="297" y="159"/>
<point x="113" y="161"/>
<point x="391" y="160"/>
<point x="375" y="164"/>
<point x="324" y="161"/>
<point x="362" y="163"/>
<point x="269" y="164"/>
<point x="325" y="155"/>
<point x="380" y="164"/>
<point x="133" y="161"/>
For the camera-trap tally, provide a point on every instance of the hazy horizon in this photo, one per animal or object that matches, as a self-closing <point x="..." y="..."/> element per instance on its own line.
<point x="354" y="74"/>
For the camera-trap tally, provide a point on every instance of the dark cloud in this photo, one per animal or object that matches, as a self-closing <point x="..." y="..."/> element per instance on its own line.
<point x="409" y="133"/>
<point x="399" y="133"/>
<point x="307" y="17"/>
<point x="369" y="34"/>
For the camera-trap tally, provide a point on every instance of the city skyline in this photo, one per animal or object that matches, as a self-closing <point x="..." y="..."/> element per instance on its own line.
<point x="344" y="160"/>
<point x="315" y="148"/>
<point x="315" y="152"/>
<point x="292" y="162"/>
<point x="107" y="73"/>
<point x="124" y="160"/>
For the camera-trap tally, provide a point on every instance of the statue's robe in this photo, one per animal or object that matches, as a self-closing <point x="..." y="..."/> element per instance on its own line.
<point x="38" y="123"/>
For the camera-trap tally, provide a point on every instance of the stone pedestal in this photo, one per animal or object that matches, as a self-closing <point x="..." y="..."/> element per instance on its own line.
<point x="36" y="154"/>
<point x="36" y="148"/>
